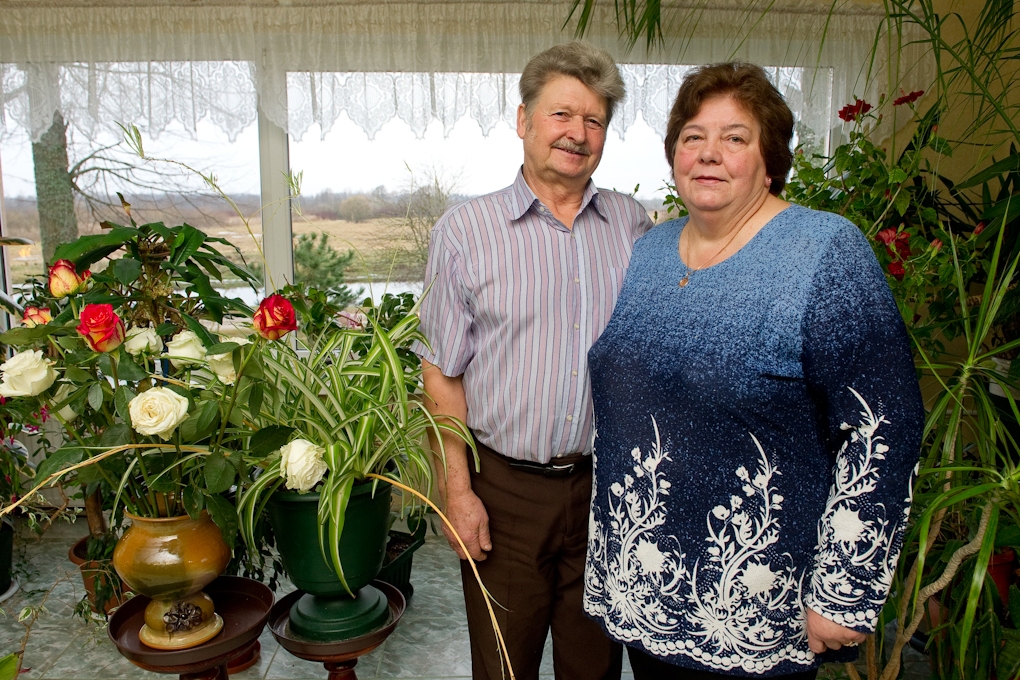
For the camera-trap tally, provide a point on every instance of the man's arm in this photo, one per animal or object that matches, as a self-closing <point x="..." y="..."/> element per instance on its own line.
<point x="445" y="397"/>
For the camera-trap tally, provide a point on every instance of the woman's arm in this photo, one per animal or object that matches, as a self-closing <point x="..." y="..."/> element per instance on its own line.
<point x="860" y="371"/>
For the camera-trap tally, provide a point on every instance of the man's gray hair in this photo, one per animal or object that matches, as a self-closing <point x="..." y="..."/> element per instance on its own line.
<point x="589" y="64"/>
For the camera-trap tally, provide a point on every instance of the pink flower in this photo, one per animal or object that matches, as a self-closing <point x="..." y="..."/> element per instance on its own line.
<point x="937" y="244"/>
<point x="850" y="112"/>
<point x="908" y="98"/>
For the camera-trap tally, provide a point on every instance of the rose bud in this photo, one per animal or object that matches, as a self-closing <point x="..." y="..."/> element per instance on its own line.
<point x="275" y="317"/>
<point x="102" y="329"/>
<point x="34" y="316"/>
<point x="64" y="280"/>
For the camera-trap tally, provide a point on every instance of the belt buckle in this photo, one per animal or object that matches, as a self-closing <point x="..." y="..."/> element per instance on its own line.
<point x="560" y="470"/>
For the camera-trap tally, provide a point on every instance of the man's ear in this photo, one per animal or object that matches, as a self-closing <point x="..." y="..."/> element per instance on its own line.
<point x="522" y="121"/>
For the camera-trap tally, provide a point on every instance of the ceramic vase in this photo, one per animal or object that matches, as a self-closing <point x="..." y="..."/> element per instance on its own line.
<point x="170" y="559"/>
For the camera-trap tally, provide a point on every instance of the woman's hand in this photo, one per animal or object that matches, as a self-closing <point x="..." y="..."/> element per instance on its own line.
<point x="823" y="634"/>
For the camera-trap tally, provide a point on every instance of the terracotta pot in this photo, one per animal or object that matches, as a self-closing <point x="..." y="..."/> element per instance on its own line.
<point x="90" y="570"/>
<point x="170" y="559"/>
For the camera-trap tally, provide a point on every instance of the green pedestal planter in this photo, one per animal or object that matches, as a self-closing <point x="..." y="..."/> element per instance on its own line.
<point x="327" y="613"/>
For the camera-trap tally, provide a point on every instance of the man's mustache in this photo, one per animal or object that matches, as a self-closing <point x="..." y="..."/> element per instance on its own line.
<point x="568" y="145"/>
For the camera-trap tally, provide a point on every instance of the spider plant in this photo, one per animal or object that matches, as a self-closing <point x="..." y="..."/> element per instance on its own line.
<point x="354" y="391"/>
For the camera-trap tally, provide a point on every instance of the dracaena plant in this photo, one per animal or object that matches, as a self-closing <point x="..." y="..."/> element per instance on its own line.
<point x="146" y="367"/>
<point x="345" y="402"/>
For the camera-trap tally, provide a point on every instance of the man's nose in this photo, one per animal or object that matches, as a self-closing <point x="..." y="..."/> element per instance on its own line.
<point x="575" y="128"/>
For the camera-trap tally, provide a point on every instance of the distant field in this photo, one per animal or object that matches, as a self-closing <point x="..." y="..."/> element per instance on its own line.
<point x="378" y="244"/>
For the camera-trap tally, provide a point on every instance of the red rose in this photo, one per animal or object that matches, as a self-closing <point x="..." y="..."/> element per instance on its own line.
<point x="102" y="329"/>
<point x="897" y="270"/>
<point x="979" y="228"/>
<point x="908" y="98"/>
<point x="35" y="316"/>
<point x="275" y="317"/>
<point x="850" y="112"/>
<point x="64" y="280"/>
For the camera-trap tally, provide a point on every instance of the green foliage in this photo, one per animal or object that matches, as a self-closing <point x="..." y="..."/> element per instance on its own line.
<point x="350" y="389"/>
<point x="318" y="264"/>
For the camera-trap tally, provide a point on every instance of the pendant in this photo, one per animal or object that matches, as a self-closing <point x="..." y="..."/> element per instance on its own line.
<point x="685" y="280"/>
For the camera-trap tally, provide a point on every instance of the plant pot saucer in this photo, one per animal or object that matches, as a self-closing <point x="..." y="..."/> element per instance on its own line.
<point x="244" y="605"/>
<point x="338" y="657"/>
<point x="11" y="590"/>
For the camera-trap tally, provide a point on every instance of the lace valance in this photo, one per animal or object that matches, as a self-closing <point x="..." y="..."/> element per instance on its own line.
<point x="309" y="62"/>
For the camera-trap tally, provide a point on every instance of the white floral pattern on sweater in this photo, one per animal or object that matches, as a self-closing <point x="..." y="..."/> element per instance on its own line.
<point x="735" y="602"/>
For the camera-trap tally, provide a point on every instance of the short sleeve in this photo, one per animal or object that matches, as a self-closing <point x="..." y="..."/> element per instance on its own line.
<point x="446" y="316"/>
<point x="861" y="374"/>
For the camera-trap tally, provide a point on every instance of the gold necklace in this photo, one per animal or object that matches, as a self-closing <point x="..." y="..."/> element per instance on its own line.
<point x="687" y="274"/>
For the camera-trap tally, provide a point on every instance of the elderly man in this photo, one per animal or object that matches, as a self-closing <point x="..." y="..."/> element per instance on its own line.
<point x="523" y="282"/>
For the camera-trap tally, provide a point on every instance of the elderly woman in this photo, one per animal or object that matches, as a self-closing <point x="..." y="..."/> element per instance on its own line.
<point x="757" y="413"/>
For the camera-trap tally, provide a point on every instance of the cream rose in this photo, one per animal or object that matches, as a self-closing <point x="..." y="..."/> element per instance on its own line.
<point x="158" y="411"/>
<point x="185" y="348"/>
<point x="26" y="374"/>
<point x="142" y="341"/>
<point x="301" y="462"/>
<point x="223" y="364"/>
<point x="67" y="414"/>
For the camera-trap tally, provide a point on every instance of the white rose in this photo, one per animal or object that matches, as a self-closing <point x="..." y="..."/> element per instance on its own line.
<point x="229" y="329"/>
<point x="185" y="348"/>
<point x="26" y="374"/>
<point x="142" y="341"/>
<point x="67" y="414"/>
<point x="223" y="364"/>
<point x="301" y="462"/>
<point x="158" y="411"/>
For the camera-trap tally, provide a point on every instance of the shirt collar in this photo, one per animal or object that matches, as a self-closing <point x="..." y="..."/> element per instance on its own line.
<point x="522" y="198"/>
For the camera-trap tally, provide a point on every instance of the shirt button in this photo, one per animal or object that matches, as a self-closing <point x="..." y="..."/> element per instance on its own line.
<point x="569" y="418"/>
<point x="577" y="280"/>
<point x="577" y="325"/>
<point x="573" y="373"/>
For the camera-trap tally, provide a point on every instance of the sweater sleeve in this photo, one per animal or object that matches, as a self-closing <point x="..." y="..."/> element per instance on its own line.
<point x="860" y="371"/>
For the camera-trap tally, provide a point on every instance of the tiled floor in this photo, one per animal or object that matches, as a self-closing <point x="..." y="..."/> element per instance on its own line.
<point x="429" y="642"/>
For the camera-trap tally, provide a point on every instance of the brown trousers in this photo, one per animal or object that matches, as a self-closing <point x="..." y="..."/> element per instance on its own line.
<point x="535" y="571"/>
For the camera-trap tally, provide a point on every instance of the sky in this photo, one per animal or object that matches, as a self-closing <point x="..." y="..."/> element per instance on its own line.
<point x="347" y="161"/>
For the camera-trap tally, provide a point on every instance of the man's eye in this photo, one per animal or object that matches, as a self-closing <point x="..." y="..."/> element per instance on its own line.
<point x="594" y="124"/>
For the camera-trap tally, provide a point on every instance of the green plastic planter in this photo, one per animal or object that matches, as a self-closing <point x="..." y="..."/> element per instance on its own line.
<point x="327" y="613"/>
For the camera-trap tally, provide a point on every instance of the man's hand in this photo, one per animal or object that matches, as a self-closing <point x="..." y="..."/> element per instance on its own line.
<point x="468" y="516"/>
<point x="823" y="634"/>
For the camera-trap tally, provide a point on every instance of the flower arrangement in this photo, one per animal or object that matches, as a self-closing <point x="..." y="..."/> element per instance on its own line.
<point x="141" y="364"/>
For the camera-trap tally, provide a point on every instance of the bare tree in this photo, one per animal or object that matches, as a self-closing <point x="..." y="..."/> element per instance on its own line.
<point x="426" y="203"/>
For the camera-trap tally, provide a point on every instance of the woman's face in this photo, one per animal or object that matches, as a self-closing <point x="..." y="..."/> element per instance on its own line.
<point x="718" y="164"/>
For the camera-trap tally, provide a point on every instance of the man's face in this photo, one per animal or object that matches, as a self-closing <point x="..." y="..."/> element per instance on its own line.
<point x="564" y="135"/>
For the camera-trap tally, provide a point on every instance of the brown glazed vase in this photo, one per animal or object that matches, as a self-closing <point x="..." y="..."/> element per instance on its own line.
<point x="170" y="559"/>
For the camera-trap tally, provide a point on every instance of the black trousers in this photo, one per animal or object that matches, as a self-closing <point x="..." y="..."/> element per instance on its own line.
<point x="648" y="667"/>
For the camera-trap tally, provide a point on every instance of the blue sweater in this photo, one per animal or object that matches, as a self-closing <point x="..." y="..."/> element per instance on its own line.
<point x="757" y="432"/>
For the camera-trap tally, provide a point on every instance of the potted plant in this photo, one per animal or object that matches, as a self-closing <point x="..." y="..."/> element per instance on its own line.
<point x="141" y="367"/>
<point x="345" y="399"/>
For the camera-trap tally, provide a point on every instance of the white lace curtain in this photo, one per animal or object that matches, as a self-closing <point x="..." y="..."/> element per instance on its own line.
<point x="309" y="62"/>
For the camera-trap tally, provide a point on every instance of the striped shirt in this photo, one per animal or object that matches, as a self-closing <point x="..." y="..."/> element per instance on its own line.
<point x="516" y="301"/>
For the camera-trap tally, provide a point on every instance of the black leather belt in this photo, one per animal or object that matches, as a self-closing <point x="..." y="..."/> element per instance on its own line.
<point x="561" y="466"/>
<point x="553" y="468"/>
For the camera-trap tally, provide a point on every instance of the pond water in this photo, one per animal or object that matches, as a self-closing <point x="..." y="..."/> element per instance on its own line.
<point x="374" y="290"/>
